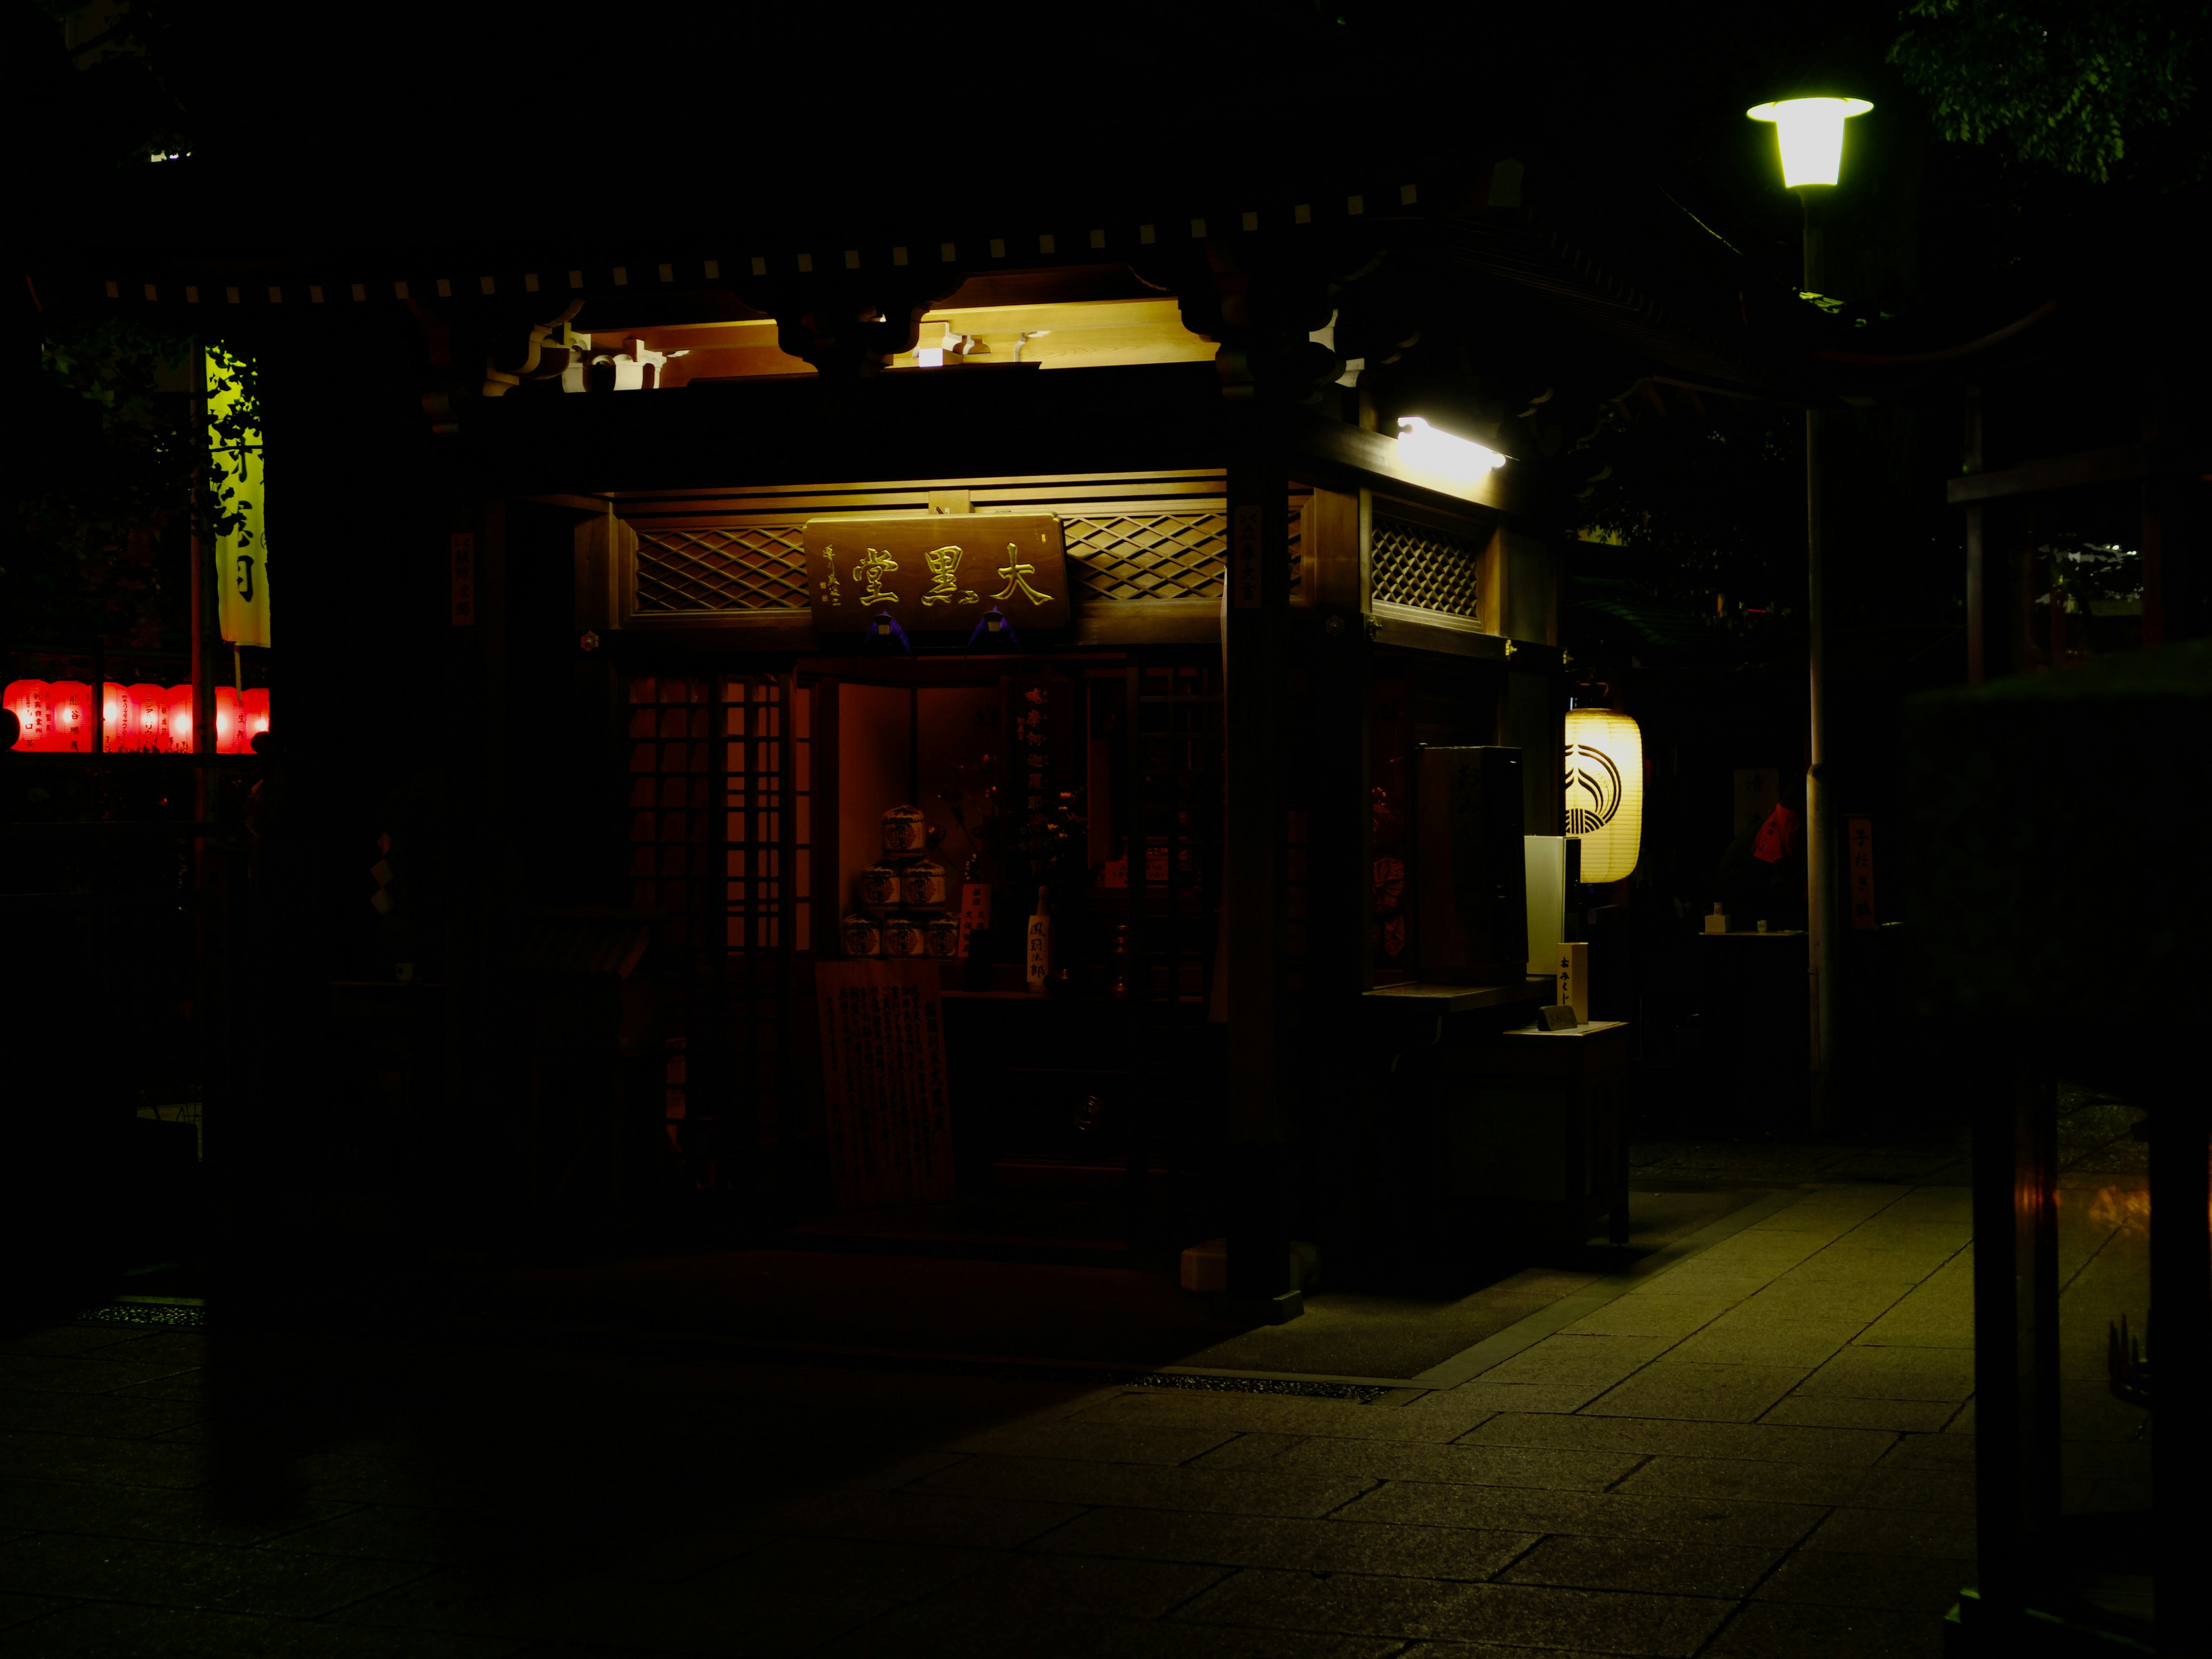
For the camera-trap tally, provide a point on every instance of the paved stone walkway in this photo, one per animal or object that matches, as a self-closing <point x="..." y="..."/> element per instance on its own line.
<point x="1765" y="1449"/>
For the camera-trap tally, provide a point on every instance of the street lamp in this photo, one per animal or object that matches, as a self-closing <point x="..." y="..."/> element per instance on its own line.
<point x="1809" y="133"/>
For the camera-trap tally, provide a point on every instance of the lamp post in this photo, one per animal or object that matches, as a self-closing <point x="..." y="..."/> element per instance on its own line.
<point x="1809" y="132"/>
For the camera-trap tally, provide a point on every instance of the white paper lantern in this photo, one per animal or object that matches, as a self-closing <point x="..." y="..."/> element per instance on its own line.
<point x="1605" y="791"/>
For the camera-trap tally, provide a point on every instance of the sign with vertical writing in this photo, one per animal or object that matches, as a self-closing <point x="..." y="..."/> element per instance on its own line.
<point x="1244" y="558"/>
<point x="1859" y="854"/>
<point x="938" y="571"/>
<point x="888" y="1117"/>
<point x="463" y="547"/>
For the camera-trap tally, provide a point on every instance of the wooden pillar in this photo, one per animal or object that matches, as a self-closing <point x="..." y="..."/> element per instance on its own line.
<point x="2180" y="1343"/>
<point x="1255" y="884"/>
<point x="2016" y="1325"/>
<point x="1976" y="567"/>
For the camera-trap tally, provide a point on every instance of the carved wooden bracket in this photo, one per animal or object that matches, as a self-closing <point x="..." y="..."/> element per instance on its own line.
<point x="847" y="325"/>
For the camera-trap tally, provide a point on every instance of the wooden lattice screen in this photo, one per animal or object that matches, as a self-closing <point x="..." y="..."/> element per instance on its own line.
<point x="722" y="780"/>
<point x="1413" y="564"/>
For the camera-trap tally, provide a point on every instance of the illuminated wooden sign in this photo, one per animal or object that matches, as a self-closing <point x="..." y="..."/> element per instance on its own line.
<point x="939" y="571"/>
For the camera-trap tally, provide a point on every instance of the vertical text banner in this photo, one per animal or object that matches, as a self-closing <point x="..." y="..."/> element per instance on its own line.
<point x="464" y="548"/>
<point x="235" y="477"/>
<point x="1858" y="844"/>
<point x="888" y="1117"/>
<point x="1245" y="558"/>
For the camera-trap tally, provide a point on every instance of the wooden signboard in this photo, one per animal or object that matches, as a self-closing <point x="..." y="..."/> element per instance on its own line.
<point x="939" y="571"/>
<point x="883" y="1084"/>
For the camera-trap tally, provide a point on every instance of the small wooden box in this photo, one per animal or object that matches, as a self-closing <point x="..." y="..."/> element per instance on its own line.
<point x="1530" y="1135"/>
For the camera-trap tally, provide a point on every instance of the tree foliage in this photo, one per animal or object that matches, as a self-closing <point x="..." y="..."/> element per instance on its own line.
<point x="2064" y="82"/>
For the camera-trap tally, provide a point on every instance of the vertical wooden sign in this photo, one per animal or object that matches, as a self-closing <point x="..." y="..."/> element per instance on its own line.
<point x="1244" y="558"/>
<point x="1858" y="851"/>
<point x="889" y="1119"/>
<point x="464" y="549"/>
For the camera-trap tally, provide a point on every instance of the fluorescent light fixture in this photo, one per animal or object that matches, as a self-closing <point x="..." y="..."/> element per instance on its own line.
<point x="1425" y="449"/>
<point x="930" y="357"/>
<point x="1811" y="133"/>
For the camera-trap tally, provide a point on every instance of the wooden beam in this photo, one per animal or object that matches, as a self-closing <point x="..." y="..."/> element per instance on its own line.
<point x="1330" y="451"/>
<point x="2089" y="466"/>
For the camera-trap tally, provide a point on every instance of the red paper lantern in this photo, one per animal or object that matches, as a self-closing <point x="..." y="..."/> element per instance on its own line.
<point x="114" y="717"/>
<point x="229" y="736"/>
<point x="181" y="719"/>
<point x="149" y="729"/>
<point x="254" y="707"/>
<point x="31" y="702"/>
<point x="72" y="710"/>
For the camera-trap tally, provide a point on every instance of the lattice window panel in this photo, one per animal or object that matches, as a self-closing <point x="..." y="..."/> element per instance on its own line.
<point x="721" y="819"/>
<point x="722" y="568"/>
<point x="1431" y="570"/>
<point x="1156" y="555"/>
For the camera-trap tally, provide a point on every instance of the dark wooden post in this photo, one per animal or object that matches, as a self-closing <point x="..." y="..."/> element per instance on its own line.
<point x="1255" y="884"/>
<point x="2015" y="1326"/>
<point x="2180" y="1354"/>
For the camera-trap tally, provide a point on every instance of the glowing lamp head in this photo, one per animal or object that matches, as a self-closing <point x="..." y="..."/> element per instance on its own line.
<point x="1605" y="791"/>
<point x="1425" y="449"/>
<point x="1811" y="133"/>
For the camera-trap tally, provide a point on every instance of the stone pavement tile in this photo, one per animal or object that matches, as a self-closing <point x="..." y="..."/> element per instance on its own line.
<point x="775" y="1601"/>
<point x="1438" y="1417"/>
<point x="1737" y="1477"/>
<point x="1649" y="1313"/>
<point x="1103" y="1443"/>
<point x="1482" y="1397"/>
<point x="1754" y="1250"/>
<point x="30" y="1454"/>
<point x="1642" y="1564"/>
<point x="117" y="1630"/>
<point x="1839" y="1411"/>
<point x="1763" y="1630"/>
<point x="1020" y="1589"/>
<point x="113" y="1414"/>
<point x="1578" y="1361"/>
<point x="1249" y="1451"/>
<point x="229" y="1580"/>
<point x="77" y="1373"/>
<point x="21" y="1609"/>
<point x="1832" y="1579"/>
<point x="1790" y="1297"/>
<point x="1618" y="1622"/>
<point x="1833" y="1210"/>
<point x="1585" y="1514"/>
<point x="898" y="1471"/>
<point x="1172" y="1639"/>
<point x="1925" y="1374"/>
<point x="1711" y="1394"/>
<point x="1962" y="1421"/>
<point x="1893" y="1488"/>
<point x="1269" y="1490"/>
<point x="448" y="1537"/>
<point x="1934" y="1205"/>
<point x="1750" y="1339"/>
<point x="1929" y="1535"/>
<point x="920" y="1517"/>
<point x="157" y="1347"/>
<point x="184" y="1518"/>
<point x="1651" y="1436"/>
<point x="1302" y="1546"/>
<point x="68" y="1338"/>
<point x="1932" y="1317"/>
<point x="1480" y="1465"/>
<point x="1939" y="1452"/>
<point x="1693" y="1277"/>
<point x="1866" y="1269"/>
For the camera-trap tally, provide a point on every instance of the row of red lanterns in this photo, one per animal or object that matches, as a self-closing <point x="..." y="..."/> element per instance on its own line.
<point x="56" y="718"/>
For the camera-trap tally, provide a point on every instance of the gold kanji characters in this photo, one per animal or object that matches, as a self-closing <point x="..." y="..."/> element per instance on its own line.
<point x="874" y="567"/>
<point x="1017" y="574"/>
<point x="945" y="578"/>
